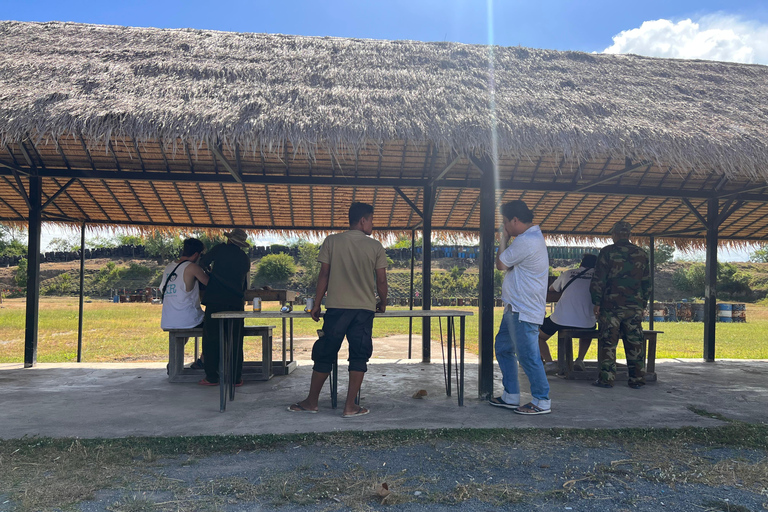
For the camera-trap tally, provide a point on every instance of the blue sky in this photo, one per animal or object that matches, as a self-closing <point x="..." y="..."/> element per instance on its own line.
<point x="735" y="30"/>
<point x="585" y="25"/>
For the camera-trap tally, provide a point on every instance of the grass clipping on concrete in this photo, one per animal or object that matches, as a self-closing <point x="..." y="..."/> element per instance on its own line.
<point x="47" y="474"/>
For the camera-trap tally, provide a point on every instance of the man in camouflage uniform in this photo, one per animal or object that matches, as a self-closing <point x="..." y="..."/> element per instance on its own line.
<point x="620" y="288"/>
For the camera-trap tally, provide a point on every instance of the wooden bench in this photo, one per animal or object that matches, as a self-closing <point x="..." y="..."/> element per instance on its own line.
<point x="565" y="339"/>
<point x="252" y="370"/>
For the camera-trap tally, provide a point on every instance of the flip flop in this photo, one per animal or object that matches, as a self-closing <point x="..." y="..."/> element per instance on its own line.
<point x="498" y="402"/>
<point x="361" y="411"/>
<point x="531" y="409"/>
<point x="204" y="382"/>
<point x="299" y="408"/>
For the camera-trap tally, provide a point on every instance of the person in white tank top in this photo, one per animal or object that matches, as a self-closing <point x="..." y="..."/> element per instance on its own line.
<point x="574" y="310"/>
<point x="180" y="286"/>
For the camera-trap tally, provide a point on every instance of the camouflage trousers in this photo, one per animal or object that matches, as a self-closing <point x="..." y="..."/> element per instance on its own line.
<point x="627" y="323"/>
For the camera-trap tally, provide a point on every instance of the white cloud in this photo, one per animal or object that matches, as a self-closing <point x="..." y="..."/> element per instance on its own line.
<point x="713" y="37"/>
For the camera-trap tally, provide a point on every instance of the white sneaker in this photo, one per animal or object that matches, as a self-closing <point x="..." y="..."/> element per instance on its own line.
<point x="550" y="367"/>
<point x="578" y="366"/>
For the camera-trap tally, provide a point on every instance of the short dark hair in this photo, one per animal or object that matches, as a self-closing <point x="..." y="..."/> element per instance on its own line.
<point x="191" y="246"/>
<point x="357" y="211"/>
<point x="517" y="209"/>
<point x="588" y="261"/>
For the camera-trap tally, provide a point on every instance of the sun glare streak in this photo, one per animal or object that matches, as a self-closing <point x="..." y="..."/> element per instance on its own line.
<point x="492" y="101"/>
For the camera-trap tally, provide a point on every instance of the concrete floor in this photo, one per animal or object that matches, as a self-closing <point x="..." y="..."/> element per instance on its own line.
<point x="90" y="400"/>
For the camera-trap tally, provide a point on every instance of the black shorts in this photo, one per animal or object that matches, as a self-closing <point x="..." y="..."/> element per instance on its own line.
<point x="549" y="327"/>
<point x="357" y="326"/>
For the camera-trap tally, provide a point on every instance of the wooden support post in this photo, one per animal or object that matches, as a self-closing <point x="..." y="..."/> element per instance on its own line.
<point x="487" y="267"/>
<point x="82" y="292"/>
<point x="410" y="297"/>
<point x="426" y="276"/>
<point x="652" y="263"/>
<point x="33" y="271"/>
<point x="710" y="281"/>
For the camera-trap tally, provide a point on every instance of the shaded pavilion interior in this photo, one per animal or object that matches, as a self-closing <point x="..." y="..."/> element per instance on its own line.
<point x="681" y="156"/>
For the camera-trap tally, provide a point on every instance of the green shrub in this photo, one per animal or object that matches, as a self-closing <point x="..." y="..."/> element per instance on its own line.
<point x="20" y="276"/>
<point x="275" y="268"/>
<point x="731" y="284"/>
<point x="308" y="260"/>
<point x="162" y="246"/>
<point x="106" y="278"/>
<point x="61" y="285"/>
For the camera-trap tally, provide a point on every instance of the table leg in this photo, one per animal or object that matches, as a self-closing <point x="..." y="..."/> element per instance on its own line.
<point x="284" y="365"/>
<point x="222" y="366"/>
<point x="650" y="365"/>
<point x="449" y="344"/>
<point x="334" y="384"/>
<point x="266" y="354"/>
<point x="284" y="341"/>
<point x="461" y="363"/>
<point x="233" y="358"/>
<point x="562" y="367"/>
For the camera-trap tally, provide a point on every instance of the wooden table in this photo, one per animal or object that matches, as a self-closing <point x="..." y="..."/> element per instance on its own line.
<point x="226" y="360"/>
<point x="565" y="353"/>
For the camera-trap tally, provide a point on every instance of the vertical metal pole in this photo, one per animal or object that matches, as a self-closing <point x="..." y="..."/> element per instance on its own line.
<point x="410" y="301"/>
<point x="487" y="267"/>
<point x="426" y="276"/>
<point x="652" y="262"/>
<point x="82" y="292"/>
<point x="710" y="280"/>
<point x="33" y="271"/>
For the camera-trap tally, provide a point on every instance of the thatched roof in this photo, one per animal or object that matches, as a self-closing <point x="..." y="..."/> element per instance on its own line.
<point x="301" y="121"/>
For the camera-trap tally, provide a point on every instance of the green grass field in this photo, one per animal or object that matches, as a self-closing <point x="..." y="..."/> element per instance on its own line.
<point x="131" y="332"/>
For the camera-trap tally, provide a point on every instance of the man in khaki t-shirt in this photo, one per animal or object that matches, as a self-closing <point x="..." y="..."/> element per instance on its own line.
<point x="352" y="268"/>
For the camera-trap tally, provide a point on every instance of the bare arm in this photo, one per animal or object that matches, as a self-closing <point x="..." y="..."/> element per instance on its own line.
<point x="322" y="287"/>
<point x="192" y="272"/>
<point x="382" y="288"/>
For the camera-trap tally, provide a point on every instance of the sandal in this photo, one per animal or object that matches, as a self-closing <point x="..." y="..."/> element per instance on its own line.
<point x="498" y="402"/>
<point x="361" y="411"/>
<point x="297" y="407"/>
<point x="531" y="409"/>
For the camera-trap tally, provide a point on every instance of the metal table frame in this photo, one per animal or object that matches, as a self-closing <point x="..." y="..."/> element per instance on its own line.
<point x="227" y="362"/>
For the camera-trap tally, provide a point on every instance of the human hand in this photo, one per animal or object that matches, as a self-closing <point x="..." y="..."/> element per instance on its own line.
<point x="381" y="307"/>
<point x="315" y="312"/>
<point x="597" y="310"/>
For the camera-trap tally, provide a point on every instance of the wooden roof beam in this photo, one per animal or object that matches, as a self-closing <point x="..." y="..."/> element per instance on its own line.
<point x="248" y="204"/>
<point x="410" y="203"/>
<point x="183" y="203"/>
<point x="216" y="152"/>
<point x="66" y="194"/>
<point x="19" y="188"/>
<point x="57" y="193"/>
<point x="629" y="167"/>
<point x="138" y="155"/>
<point x="160" y="201"/>
<point x="699" y="216"/>
<point x="445" y="171"/>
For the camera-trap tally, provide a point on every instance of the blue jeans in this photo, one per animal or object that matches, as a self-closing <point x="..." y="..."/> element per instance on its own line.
<point x="519" y="341"/>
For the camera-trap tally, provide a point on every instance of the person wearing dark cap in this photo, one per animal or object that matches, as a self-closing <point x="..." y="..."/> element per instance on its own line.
<point x="573" y="310"/>
<point x="620" y="289"/>
<point x="228" y="268"/>
<point x="524" y="292"/>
